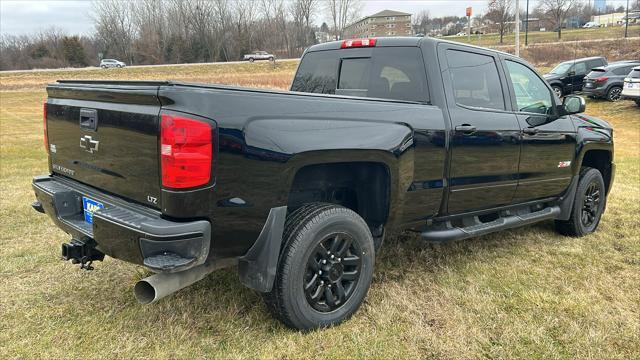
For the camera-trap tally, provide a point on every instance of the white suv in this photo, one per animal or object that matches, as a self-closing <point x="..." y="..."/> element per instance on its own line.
<point x="109" y="63"/>
<point x="631" y="88"/>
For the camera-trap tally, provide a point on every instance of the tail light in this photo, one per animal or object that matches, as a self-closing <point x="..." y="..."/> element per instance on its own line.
<point x="601" y="79"/>
<point x="357" y="43"/>
<point x="186" y="151"/>
<point x="44" y="122"/>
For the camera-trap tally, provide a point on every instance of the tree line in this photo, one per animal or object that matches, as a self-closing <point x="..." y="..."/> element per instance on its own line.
<point x="181" y="31"/>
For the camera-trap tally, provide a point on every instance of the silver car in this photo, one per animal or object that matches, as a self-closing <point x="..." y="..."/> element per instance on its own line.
<point x="110" y="63"/>
<point x="259" y="55"/>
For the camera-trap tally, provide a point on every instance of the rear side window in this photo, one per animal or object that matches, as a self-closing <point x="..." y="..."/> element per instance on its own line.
<point x="623" y="70"/>
<point x="390" y="73"/>
<point x="580" y="68"/>
<point x="595" y="63"/>
<point x="475" y="80"/>
<point x="317" y="73"/>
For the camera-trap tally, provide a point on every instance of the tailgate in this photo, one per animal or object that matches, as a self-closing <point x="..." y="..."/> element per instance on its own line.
<point x="105" y="134"/>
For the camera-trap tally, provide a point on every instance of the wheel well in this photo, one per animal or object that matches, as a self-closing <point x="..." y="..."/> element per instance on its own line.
<point x="360" y="186"/>
<point x="601" y="160"/>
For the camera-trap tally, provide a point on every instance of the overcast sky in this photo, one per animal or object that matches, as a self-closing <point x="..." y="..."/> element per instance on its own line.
<point x="30" y="16"/>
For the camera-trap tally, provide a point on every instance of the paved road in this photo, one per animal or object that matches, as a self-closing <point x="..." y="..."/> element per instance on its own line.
<point x="141" y="66"/>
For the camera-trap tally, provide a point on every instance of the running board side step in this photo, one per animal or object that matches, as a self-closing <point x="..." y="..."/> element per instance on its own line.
<point x="509" y="219"/>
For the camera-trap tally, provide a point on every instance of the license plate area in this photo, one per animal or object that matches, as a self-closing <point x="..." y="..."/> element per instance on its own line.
<point x="89" y="206"/>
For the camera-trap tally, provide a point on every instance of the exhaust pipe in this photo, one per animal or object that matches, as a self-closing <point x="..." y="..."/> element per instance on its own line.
<point x="155" y="287"/>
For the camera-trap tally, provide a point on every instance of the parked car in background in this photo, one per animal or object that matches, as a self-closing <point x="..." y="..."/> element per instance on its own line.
<point x="591" y="25"/>
<point x="631" y="88"/>
<point x="567" y="77"/>
<point x="607" y="81"/>
<point x="110" y="63"/>
<point x="259" y="55"/>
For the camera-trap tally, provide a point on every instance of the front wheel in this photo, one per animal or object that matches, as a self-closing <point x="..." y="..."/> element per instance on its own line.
<point x="588" y="205"/>
<point x="251" y="59"/>
<point x="614" y="94"/>
<point x="325" y="267"/>
<point x="558" y="91"/>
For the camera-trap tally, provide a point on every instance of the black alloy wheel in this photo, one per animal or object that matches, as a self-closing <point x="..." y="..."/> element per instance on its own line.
<point x="333" y="271"/>
<point x="614" y="94"/>
<point x="591" y="204"/>
<point x="588" y="205"/>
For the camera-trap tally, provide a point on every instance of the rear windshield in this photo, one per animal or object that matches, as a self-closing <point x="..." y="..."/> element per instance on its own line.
<point x="635" y="73"/>
<point x="596" y="73"/>
<point x="389" y="73"/>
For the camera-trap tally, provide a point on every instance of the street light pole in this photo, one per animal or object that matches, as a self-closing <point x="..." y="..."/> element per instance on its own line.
<point x="626" y="25"/>
<point x="518" y="27"/>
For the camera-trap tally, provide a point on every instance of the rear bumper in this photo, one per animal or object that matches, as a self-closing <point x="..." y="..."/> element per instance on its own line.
<point x="124" y="230"/>
<point x="596" y="92"/>
<point x="631" y="94"/>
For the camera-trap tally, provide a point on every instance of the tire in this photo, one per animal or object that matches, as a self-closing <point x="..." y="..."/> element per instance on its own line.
<point x="585" y="205"/>
<point x="103" y="66"/>
<point x="271" y="58"/>
<point x="614" y="94"/>
<point x="118" y="66"/>
<point x="311" y="234"/>
<point x="251" y="59"/>
<point x="558" y="91"/>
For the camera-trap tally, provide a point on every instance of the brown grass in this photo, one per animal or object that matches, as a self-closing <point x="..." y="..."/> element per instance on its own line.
<point x="527" y="293"/>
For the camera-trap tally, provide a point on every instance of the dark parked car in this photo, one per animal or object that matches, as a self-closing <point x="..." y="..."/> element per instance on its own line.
<point x="608" y="81"/>
<point x="567" y="77"/>
<point x="631" y="89"/>
<point x="300" y="187"/>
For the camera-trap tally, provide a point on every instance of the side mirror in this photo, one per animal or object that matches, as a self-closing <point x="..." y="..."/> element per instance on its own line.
<point x="572" y="104"/>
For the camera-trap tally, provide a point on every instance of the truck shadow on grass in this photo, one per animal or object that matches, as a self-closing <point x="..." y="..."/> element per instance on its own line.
<point x="220" y="302"/>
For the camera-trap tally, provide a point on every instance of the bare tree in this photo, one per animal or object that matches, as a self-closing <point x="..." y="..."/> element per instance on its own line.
<point x="557" y="11"/>
<point x="343" y="13"/>
<point x="500" y="12"/>
<point x="422" y="22"/>
<point x="114" y="25"/>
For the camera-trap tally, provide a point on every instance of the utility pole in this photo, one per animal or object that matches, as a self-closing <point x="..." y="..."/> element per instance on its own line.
<point x="468" y="11"/>
<point x="518" y="27"/>
<point x="626" y="25"/>
<point x="526" y="27"/>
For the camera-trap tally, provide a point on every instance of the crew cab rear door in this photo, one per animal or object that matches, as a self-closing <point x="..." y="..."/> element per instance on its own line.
<point x="484" y="142"/>
<point x="105" y="134"/>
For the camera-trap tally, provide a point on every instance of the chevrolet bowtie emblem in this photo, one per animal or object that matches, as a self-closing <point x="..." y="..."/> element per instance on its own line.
<point x="88" y="144"/>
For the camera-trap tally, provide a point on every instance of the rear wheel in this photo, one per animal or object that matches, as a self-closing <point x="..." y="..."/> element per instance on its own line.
<point x="271" y="58"/>
<point x="325" y="268"/>
<point x="614" y="94"/>
<point x="251" y="59"/>
<point x="588" y="205"/>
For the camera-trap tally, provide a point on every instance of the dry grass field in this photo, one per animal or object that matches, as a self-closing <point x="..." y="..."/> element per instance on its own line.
<point x="526" y="293"/>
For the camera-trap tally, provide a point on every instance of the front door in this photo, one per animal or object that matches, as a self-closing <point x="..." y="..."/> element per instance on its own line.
<point x="548" y="143"/>
<point x="485" y="146"/>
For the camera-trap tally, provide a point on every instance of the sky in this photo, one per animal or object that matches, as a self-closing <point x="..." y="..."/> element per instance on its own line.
<point x="30" y="16"/>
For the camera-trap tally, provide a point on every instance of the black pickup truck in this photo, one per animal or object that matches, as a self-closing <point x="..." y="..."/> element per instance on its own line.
<point x="298" y="188"/>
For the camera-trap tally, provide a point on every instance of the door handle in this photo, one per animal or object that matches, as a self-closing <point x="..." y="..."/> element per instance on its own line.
<point x="530" y="131"/>
<point x="466" y="128"/>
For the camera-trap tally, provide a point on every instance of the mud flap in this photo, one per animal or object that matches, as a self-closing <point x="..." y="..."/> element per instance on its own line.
<point x="257" y="268"/>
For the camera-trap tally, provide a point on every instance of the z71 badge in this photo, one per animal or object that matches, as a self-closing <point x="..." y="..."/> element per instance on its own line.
<point x="564" y="164"/>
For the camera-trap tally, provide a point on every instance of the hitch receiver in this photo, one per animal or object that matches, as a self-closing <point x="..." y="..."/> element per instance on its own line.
<point x="82" y="252"/>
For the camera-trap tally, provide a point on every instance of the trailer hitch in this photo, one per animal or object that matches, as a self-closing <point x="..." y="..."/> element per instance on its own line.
<point x="82" y="252"/>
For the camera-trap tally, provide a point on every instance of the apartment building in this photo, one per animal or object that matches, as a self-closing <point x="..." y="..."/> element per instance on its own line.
<point x="384" y="23"/>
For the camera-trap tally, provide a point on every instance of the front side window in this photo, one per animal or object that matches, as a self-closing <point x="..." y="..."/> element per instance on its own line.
<point x="475" y="80"/>
<point x="532" y="95"/>
<point x="562" y="68"/>
<point x="580" y="68"/>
